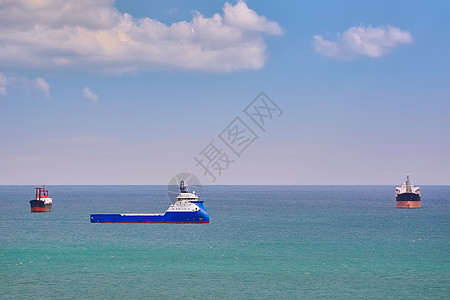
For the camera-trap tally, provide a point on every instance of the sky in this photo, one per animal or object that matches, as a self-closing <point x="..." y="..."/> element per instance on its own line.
<point x="239" y="92"/>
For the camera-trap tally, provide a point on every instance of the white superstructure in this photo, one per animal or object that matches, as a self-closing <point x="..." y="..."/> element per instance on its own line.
<point x="407" y="187"/>
<point x="47" y="200"/>
<point x="185" y="201"/>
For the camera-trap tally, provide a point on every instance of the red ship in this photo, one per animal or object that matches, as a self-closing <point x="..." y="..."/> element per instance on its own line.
<point x="42" y="202"/>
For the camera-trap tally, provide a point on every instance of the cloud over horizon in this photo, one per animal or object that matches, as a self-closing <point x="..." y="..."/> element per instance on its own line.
<point x="362" y="41"/>
<point x="95" y="36"/>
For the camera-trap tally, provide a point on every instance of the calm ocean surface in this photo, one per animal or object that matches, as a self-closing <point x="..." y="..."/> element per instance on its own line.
<point x="263" y="242"/>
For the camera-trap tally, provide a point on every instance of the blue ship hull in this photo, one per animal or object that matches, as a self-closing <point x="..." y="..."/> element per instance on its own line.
<point x="200" y="216"/>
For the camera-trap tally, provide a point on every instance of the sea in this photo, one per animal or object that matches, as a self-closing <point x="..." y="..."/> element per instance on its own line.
<point x="263" y="242"/>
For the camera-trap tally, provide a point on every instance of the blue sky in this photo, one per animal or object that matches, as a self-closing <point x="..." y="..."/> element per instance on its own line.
<point x="131" y="92"/>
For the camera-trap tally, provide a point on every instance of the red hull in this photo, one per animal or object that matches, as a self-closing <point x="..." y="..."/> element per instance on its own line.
<point x="408" y="204"/>
<point x="40" y="206"/>
<point x="41" y="209"/>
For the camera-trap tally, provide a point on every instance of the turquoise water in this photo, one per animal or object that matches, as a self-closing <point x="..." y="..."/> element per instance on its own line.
<point x="263" y="242"/>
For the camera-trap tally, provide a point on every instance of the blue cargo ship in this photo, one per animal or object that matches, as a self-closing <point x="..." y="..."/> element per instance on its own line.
<point x="188" y="208"/>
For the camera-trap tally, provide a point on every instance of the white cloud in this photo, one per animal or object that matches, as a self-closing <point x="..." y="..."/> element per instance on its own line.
<point x="24" y="83"/>
<point x="95" y="36"/>
<point x="3" y="83"/>
<point x="241" y="16"/>
<point x="42" y="85"/>
<point x="362" y="41"/>
<point x="3" y="79"/>
<point x="90" y="95"/>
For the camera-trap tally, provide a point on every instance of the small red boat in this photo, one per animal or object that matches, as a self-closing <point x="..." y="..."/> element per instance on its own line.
<point x="43" y="202"/>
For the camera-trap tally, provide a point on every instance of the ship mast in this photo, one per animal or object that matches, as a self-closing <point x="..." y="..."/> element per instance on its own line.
<point x="408" y="185"/>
